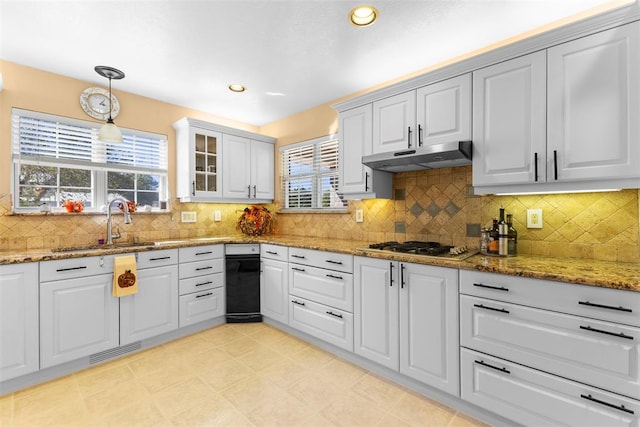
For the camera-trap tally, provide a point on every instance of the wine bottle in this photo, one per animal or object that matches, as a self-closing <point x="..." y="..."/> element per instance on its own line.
<point x="512" y="237"/>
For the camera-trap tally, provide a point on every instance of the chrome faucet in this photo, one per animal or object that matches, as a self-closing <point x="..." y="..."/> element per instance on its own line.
<point x="127" y="219"/>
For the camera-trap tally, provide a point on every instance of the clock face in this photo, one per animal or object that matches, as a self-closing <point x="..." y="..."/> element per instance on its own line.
<point x="95" y="102"/>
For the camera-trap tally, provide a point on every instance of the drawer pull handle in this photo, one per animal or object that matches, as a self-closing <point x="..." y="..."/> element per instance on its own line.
<point x="610" y="307"/>
<point x="204" y="283"/>
<point x="204" y="253"/>
<point x="501" y="310"/>
<point x="271" y="253"/>
<point x="334" y="277"/>
<point x="203" y="268"/>
<point x="330" y="261"/>
<point x="483" y="363"/>
<point x="297" y="256"/>
<point x="496" y="288"/>
<point x="204" y="295"/>
<point x="159" y="258"/>
<point x="298" y="269"/>
<point x="71" y="268"/>
<point x="600" y="331"/>
<point x="610" y="405"/>
<point x="334" y="314"/>
<point x="297" y="302"/>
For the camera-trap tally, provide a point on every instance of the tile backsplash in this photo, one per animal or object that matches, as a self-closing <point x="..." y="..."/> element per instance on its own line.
<point x="428" y="205"/>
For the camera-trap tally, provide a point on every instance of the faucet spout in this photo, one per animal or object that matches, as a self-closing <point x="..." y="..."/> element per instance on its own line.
<point x="127" y="218"/>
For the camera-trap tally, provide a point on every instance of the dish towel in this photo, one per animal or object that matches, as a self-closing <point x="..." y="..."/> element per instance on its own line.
<point x="125" y="279"/>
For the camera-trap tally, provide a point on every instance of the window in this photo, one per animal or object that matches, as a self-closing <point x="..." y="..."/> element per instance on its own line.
<point x="310" y="175"/>
<point x="57" y="159"/>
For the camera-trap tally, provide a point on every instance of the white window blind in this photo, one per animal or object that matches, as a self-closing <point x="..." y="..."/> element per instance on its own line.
<point x="310" y="175"/>
<point x="58" y="158"/>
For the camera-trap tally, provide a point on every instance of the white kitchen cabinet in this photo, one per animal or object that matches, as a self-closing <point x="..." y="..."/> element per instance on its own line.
<point x="509" y="122"/>
<point x="79" y="316"/>
<point x="444" y="111"/>
<point x="588" y="139"/>
<point x="198" y="162"/>
<point x="216" y="163"/>
<point x="19" y="342"/>
<point x="153" y="310"/>
<point x="274" y="282"/>
<point x="358" y="181"/>
<point x="201" y="287"/>
<point x="248" y="169"/>
<point x="594" y="105"/>
<point x="535" y="398"/>
<point x="394" y="121"/>
<point x="406" y="318"/>
<point x="321" y="295"/>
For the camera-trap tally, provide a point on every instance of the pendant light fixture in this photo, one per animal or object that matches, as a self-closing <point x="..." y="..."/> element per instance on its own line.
<point x="109" y="132"/>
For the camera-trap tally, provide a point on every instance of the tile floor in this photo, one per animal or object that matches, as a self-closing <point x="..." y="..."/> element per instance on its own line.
<point x="231" y="375"/>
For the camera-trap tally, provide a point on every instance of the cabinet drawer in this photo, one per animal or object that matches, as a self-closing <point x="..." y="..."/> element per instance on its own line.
<point x="75" y="267"/>
<point x="200" y="306"/>
<point x="322" y="259"/>
<point x="201" y="268"/>
<point x="329" y="324"/>
<point x="197" y="253"/>
<point x="201" y="283"/>
<point x="599" y="303"/>
<point x="333" y="288"/>
<point x="280" y="253"/>
<point x="535" y="398"/>
<point x="157" y="258"/>
<point x="599" y="353"/>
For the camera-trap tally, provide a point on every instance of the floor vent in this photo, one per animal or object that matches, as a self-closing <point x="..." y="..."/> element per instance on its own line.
<point x="114" y="352"/>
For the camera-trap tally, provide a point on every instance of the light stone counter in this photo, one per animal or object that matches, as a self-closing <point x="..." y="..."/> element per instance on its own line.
<point x="625" y="276"/>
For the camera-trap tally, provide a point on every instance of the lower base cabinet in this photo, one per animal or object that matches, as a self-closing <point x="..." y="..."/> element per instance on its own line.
<point x="200" y="306"/>
<point x="274" y="290"/>
<point x="327" y="323"/>
<point x="536" y="398"/>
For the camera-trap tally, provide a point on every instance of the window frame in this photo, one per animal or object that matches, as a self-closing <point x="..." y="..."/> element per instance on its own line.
<point x="98" y="169"/>
<point x="316" y="175"/>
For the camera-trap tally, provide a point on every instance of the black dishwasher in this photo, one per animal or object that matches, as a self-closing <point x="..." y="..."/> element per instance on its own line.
<point x="243" y="283"/>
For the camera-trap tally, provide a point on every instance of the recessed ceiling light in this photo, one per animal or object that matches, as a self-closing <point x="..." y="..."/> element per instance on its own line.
<point x="362" y="16"/>
<point x="237" y="88"/>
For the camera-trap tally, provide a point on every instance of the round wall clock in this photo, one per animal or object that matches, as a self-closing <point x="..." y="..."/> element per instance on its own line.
<point x="95" y="102"/>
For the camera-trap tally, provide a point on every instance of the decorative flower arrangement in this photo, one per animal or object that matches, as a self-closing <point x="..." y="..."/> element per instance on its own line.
<point x="255" y="221"/>
<point x="131" y="205"/>
<point x="73" y="206"/>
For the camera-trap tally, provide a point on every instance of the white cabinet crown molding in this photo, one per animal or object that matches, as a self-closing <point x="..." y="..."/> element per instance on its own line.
<point x="191" y="122"/>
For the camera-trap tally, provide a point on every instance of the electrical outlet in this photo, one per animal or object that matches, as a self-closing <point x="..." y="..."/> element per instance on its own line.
<point x="359" y="215"/>
<point x="217" y="216"/>
<point x="534" y="218"/>
<point x="189" y="216"/>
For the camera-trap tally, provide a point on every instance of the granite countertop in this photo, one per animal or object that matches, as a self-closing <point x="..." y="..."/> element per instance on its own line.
<point x="615" y="275"/>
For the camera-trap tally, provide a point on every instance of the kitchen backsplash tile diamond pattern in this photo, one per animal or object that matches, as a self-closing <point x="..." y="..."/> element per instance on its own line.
<point x="436" y="205"/>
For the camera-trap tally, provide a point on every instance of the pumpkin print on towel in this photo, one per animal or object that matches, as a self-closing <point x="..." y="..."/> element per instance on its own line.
<point x="126" y="279"/>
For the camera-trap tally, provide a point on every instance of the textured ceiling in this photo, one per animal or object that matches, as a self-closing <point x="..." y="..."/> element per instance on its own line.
<point x="291" y="54"/>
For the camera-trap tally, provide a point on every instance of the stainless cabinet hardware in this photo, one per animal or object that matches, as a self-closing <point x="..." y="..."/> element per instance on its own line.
<point x="204" y="283"/>
<point x="334" y="277"/>
<point x="193" y="188"/>
<point x="497" y="288"/>
<point x="501" y="310"/>
<point x="203" y="253"/>
<point x="402" y="276"/>
<point x="601" y="331"/>
<point x="248" y="191"/>
<point x="297" y="256"/>
<point x="390" y="274"/>
<point x="419" y="136"/>
<point x="483" y="363"/>
<point x="609" y="307"/>
<point x="610" y="405"/>
<point x="409" y="137"/>
<point x="298" y="269"/>
<point x="159" y="258"/>
<point x="334" y="314"/>
<point x="204" y="268"/>
<point x="71" y="268"/>
<point x="333" y="262"/>
<point x="271" y="253"/>
<point x="204" y="295"/>
<point x="297" y="302"/>
<point x="254" y="192"/>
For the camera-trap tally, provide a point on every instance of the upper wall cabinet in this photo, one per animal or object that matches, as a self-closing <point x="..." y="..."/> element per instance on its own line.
<point x="358" y="181"/>
<point x="216" y="163"/>
<point x="433" y="114"/>
<point x="589" y="137"/>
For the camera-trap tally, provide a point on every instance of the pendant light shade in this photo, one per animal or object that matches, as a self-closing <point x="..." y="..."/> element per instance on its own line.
<point x="109" y="132"/>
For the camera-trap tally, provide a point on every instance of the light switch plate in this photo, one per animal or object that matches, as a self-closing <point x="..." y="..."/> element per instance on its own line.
<point x="359" y="215"/>
<point x="534" y="218"/>
<point x="217" y="216"/>
<point x="189" y="216"/>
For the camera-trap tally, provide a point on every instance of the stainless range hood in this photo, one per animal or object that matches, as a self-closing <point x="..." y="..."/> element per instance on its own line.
<point x="449" y="154"/>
